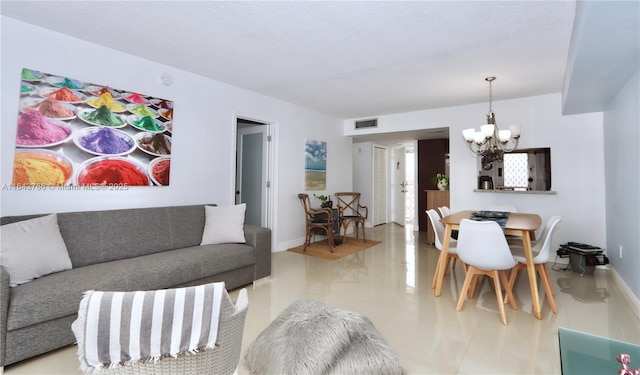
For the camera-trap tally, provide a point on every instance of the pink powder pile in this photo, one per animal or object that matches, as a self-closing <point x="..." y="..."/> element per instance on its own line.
<point x="34" y="130"/>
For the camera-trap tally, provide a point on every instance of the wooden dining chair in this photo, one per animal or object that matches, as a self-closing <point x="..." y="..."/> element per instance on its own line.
<point x="351" y="211"/>
<point x="317" y="219"/>
<point x="541" y="255"/>
<point x="484" y="249"/>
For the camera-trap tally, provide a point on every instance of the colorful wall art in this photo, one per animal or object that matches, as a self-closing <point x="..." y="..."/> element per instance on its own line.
<point x="315" y="165"/>
<point x="79" y="135"/>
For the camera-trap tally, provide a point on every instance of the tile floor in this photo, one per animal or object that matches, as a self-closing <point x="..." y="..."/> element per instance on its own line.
<point x="391" y="284"/>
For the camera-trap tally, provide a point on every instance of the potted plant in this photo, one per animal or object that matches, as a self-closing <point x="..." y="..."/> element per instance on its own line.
<point x="325" y="200"/>
<point x="441" y="180"/>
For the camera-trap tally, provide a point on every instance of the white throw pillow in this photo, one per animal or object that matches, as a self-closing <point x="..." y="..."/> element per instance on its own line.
<point x="224" y="224"/>
<point x="33" y="248"/>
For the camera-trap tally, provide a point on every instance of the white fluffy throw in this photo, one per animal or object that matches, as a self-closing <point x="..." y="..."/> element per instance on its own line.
<point x="312" y="338"/>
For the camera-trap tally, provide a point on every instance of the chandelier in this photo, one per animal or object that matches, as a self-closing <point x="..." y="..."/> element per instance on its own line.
<point x="490" y="142"/>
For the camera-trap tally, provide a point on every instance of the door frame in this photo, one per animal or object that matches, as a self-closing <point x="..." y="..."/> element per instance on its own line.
<point x="270" y="169"/>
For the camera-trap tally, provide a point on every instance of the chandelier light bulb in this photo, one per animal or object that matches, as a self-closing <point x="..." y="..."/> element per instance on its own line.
<point x="504" y="135"/>
<point x="515" y="130"/>
<point x="469" y="134"/>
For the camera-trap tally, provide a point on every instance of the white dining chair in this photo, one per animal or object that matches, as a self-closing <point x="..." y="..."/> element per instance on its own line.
<point x="438" y="230"/>
<point x="444" y="211"/>
<point x="541" y="250"/>
<point x="484" y="249"/>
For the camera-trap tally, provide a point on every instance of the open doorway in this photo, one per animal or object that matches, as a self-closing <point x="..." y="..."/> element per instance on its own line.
<point x="253" y="170"/>
<point x="403" y="185"/>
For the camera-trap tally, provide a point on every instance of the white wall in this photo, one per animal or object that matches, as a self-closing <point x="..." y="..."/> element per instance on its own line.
<point x="577" y="160"/>
<point x="622" y="161"/>
<point x="203" y="163"/>
<point x="363" y="176"/>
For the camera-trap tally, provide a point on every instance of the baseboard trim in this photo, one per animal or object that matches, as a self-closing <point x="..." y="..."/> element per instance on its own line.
<point x="626" y="292"/>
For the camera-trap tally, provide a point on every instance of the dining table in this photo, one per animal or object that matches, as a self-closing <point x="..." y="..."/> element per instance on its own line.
<point x="518" y="224"/>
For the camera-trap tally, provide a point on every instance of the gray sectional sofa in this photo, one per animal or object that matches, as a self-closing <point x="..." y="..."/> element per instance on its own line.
<point x="121" y="250"/>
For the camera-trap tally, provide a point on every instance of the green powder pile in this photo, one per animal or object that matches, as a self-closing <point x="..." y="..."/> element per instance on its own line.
<point x="69" y="84"/>
<point x="28" y="75"/>
<point x="141" y="110"/>
<point x="103" y="116"/>
<point x="147" y="123"/>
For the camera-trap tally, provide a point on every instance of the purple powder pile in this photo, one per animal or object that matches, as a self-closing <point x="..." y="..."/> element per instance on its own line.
<point x="105" y="141"/>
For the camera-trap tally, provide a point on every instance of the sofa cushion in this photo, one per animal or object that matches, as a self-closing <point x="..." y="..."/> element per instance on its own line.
<point x="32" y="248"/>
<point x="224" y="224"/>
<point x="128" y="233"/>
<point x="61" y="292"/>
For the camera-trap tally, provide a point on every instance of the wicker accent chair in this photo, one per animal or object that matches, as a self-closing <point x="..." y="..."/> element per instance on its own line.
<point x="317" y="218"/>
<point x="350" y="211"/>
<point x="223" y="359"/>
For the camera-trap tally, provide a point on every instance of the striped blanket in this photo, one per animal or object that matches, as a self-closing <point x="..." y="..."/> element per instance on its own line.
<point x="118" y="327"/>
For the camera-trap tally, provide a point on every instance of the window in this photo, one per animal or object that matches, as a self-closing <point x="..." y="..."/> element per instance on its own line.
<point x="516" y="170"/>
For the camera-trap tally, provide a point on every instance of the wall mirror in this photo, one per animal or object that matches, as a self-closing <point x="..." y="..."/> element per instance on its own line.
<point x="519" y="170"/>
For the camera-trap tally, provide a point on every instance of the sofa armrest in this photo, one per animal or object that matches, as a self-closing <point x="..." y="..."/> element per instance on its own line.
<point x="4" y="307"/>
<point x="260" y="239"/>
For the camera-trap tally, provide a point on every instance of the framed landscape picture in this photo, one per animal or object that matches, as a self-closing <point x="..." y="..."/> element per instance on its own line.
<point x="315" y="165"/>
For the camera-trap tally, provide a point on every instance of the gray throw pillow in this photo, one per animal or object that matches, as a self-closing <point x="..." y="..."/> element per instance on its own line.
<point x="32" y="248"/>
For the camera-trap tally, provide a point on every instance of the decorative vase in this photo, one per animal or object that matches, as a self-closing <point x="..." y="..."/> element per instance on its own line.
<point x="442" y="185"/>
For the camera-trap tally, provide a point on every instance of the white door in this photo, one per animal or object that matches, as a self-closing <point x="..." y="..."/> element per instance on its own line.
<point x="398" y="189"/>
<point x="379" y="185"/>
<point x="251" y="172"/>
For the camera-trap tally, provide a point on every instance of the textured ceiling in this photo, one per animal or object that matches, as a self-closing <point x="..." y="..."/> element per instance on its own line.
<point x="348" y="59"/>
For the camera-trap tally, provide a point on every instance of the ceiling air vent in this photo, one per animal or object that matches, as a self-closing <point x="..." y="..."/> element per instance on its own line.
<point x="372" y="123"/>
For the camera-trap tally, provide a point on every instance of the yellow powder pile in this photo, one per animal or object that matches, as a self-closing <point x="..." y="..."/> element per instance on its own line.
<point x="29" y="170"/>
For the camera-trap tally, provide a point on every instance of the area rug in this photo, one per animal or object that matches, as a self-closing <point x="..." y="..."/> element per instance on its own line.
<point x="320" y="249"/>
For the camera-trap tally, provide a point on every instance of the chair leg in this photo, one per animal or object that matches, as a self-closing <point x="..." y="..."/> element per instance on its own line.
<point x="330" y="237"/>
<point x="471" y="273"/>
<point x="512" y="279"/>
<point x="508" y="291"/>
<point x="544" y="277"/>
<point x="496" y="283"/>
<point x="435" y="275"/>
<point x="472" y="288"/>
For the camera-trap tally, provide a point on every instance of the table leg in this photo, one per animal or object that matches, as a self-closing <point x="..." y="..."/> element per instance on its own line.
<point x="531" y="270"/>
<point x="442" y="260"/>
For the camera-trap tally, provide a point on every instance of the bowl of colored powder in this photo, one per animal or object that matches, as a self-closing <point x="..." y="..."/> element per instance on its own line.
<point x="65" y="82"/>
<point x="141" y="110"/>
<point x="40" y="166"/>
<point x="63" y="94"/>
<point x="26" y="88"/>
<point x="112" y="171"/>
<point x="102" y="116"/>
<point x="105" y="99"/>
<point x="169" y="125"/>
<point x="132" y="97"/>
<point x="167" y="113"/>
<point x="161" y="103"/>
<point x="155" y="144"/>
<point x="35" y="130"/>
<point x="99" y="90"/>
<point x="159" y="169"/>
<point x="103" y="141"/>
<point x="31" y="75"/>
<point x="50" y="108"/>
<point x="146" y="123"/>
